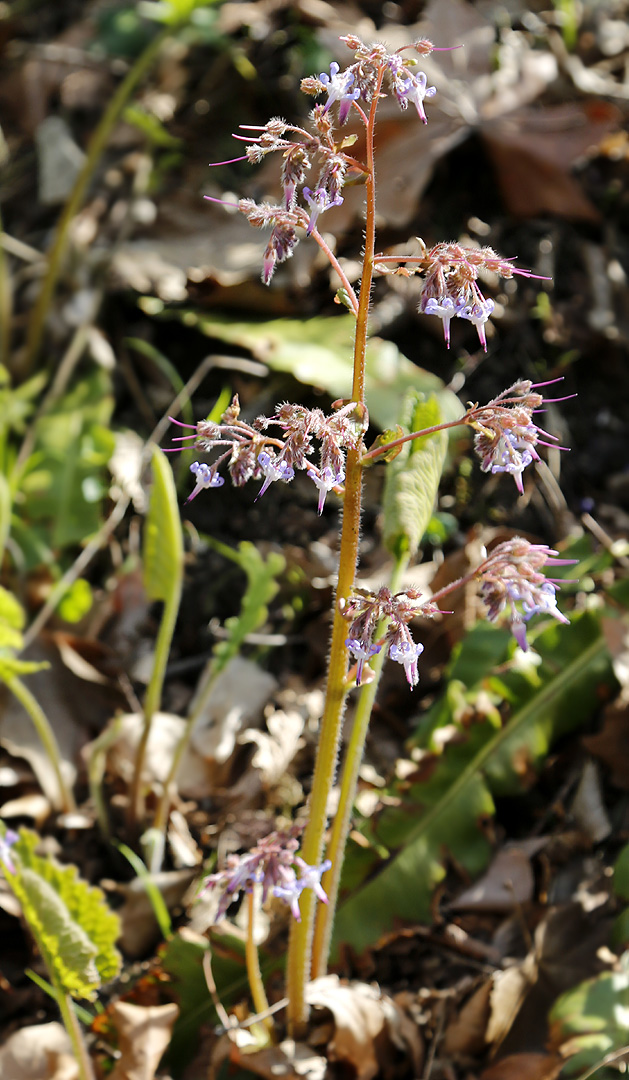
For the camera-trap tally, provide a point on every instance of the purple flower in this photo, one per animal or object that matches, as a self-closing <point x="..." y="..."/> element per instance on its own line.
<point x="512" y="577"/>
<point x="362" y="651"/>
<point x="318" y="201"/>
<point x="6" y="843"/>
<point x="407" y="653"/>
<point x="273" y="469"/>
<point x="478" y="313"/>
<point x="415" y="90"/>
<point x="325" y="480"/>
<point x="310" y="878"/>
<point x="512" y="455"/>
<point x="444" y="309"/>
<point x="207" y="477"/>
<point x="338" y="85"/>
<point x="271" y="864"/>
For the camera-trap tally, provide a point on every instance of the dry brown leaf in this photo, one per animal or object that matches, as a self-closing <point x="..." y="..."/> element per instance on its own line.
<point x="508" y="883"/>
<point x="370" y="1030"/>
<point x="288" y="1061"/>
<point x="611" y="745"/>
<point x="465" y="1034"/>
<point x="524" y="1067"/>
<point x="40" y="1052"/>
<point x="139" y="928"/>
<point x="533" y="152"/>
<point x="143" y="1036"/>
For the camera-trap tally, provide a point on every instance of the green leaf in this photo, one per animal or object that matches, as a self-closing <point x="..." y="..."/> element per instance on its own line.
<point x="149" y="125"/>
<point x="65" y="481"/>
<point x="74" y="929"/>
<point x="77" y="601"/>
<point x="262" y="574"/>
<point x="592" y="1020"/>
<point x="319" y="352"/>
<point x="163" y="538"/>
<point x="412" y="479"/>
<point x="445" y="812"/>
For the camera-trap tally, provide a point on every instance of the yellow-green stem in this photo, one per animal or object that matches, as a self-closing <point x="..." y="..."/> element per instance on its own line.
<point x="154" y="695"/>
<point x="254" y="975"/>
<point x="324" y="920"/>
<point x="71" y="1024"/>
<point x="47" y="737"/>
<point x="73" y="205"/>
<point x="161" y="815"/>
<point x="300" y="944"/>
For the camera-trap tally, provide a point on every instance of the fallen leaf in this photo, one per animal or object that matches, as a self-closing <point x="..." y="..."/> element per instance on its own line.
<point x="139" y="929"/>
<point x="370" y="1030"/>
<point x="524" y="1067"/>
<point x="40" y="1052"/>
<point x="611" y="745"/>
<point x="465" y="1034"/>
<point x="143" y="1036"/>
<point x="508" y="883"/>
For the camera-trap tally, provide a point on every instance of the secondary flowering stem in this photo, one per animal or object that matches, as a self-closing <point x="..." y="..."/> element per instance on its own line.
<point x="380" y="451"/>
<point x="300" y="945"/>
<point x="351" y="295"/>
<point x="349" y="779"/>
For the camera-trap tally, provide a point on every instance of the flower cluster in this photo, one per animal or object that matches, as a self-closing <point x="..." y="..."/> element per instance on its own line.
<point x="506" y="435"/>
<point x="450" y="288"/>
<point x="249" y="453"/>
<point x="367" y="611"/>
<point x="273" y="863"/>
<point x="319" y="149"/>
<point x="512" y="578"/>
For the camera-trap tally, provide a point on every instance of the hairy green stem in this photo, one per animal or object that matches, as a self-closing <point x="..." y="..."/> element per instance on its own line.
<point x="46" y="735"/>
<point x="71" y="1024"/>
<point x="300" y="944"/>
<point x="254" y="975"/>
<point x="97" y="144"/>
<point x="324" y="920"/>
<point x="380" y="451"/>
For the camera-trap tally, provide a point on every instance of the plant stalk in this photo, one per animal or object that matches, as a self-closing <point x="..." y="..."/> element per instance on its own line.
<point x="47" y="738"/>
<point x="71" y="1024"/>
<point x="300" y="944"/>
<point x="254" y="975"/>
<point x="73" y="204"/>
<point x="324" y="919"/>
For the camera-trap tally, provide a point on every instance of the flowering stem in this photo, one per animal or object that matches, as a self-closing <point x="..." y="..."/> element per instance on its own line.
<point x="351" y="295"/>
<point x="254" y="975"/>
<point x="349" y="780"/>
<point x="300" y="945"/>
<point x="380" y="450"/>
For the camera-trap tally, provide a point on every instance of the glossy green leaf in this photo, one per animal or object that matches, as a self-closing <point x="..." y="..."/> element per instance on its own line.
<point x="445" y="812"/>
<point x="163" y="538"/>
<point x="70" y="920"/>
<point x="319" y="352"/>
<point x="412" y="479"/>
<point x="592" y="1020"/>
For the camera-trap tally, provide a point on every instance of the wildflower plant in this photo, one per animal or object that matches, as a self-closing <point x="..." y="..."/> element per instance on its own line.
<point x="316" y="163"/>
